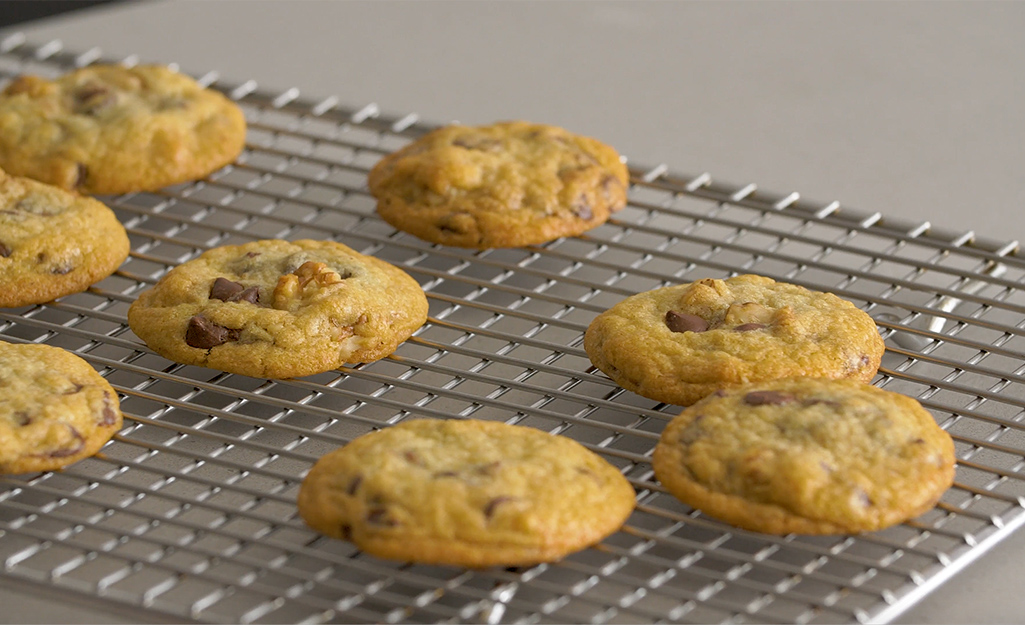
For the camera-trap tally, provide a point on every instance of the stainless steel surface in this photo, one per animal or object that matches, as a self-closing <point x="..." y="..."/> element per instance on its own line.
<point x="189" y="513"/>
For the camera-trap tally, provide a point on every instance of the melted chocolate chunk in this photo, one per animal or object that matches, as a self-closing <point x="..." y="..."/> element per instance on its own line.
<point x="205" y="334"/>
<point x="223" y="288"/>
<point x="768" y="398"/>
<point x="489" y="509"/>
<point x="251" y="295"/>
<point x="5" y="252"/>
<point x="582" y="208"/>
<point x="815" y="401"/>
<point x="75" y="389"/>
<point x="487" y="469"/>
<point x="109" y="416"/>
<point x="81" y="173"/>
<point x="747" y="327"/>
<point x="684" y="322"/>
<point x="484" y="144"/>
<point x="228" y="291"/>
<point x="354" y="485"/>
<point x="607" y="182"/>
<point x="379" y="516"/>
<point x="62" y="269"/>
<point x="93" y="98"/>
<point x="76" y="445"/>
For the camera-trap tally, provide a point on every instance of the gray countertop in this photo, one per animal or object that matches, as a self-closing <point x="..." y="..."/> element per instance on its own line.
<point x="910" y="109"/>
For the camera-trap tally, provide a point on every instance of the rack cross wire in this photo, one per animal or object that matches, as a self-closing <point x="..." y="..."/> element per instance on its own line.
<point x="189" y="513"/>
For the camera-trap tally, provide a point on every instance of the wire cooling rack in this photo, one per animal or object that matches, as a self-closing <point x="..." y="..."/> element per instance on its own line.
<point x="189" y="513"/>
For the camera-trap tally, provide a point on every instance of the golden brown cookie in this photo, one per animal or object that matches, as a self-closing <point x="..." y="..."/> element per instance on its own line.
<point x="278" y="309"/>
<point x="466" y="493"/>
<point x="53" y="242"/>
<point x="679" y="343"/>
<point x="505" y="185"/>
<point x="55" y="409"/>
<point x="116" y="129"/>
<point x="806" y="455"/>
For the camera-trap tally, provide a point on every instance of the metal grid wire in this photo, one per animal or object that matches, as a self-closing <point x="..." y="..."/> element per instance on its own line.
<point x="189" y="513"/>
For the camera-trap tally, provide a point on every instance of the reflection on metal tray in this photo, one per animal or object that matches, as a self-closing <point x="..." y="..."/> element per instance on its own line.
<point x="189" y="513"/>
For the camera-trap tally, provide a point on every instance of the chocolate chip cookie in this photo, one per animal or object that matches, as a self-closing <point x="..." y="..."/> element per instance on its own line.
<point x="466" y="493"/>
<point x="806" y="455"/>
<point x="277" y="309"/>
<point x="505" y="185"/>
<point x="53" y="242"/>
<point x="55" y="409"/>
<point x="116" y="129"/>
<point x="680" y="343"/>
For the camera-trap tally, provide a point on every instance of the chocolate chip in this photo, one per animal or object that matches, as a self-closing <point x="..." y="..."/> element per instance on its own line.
<point x="5" y="251"/>
<point x="770" y="398"/>
<point x="487" y="469"/>
<point x="346" y="531"/>
<point x="918" y="441"/>
<point x="379" y="516"/>
<point x="354" y="485"/>
<point x="747" y="327"/>
<point x="815" y="401"/>
<point x="582" y="208"/>
<point x="484" y="144"/>
<point x="81" y="173"/>
<point x="228" y="291"/>
<point x="76" y="447"/>
<point x="441" y="474"/>
<point x="224" y="288"/>
<point x="76" y="389"/>
<point x="205" y="334"/>
<point x="684" y="322"/>
<point x="607" y="182"/>
<point x="252" y="254"/>
<point x="62" y="269"/>
<point x="109" y="416"/>
<point x="93" y="98"/>
<point x="865" y="499"/>
<point x="412" y="458"/>
<point x="489" y="509"/>
<point x="251" y="295"/>
<point x="23" y="418"/>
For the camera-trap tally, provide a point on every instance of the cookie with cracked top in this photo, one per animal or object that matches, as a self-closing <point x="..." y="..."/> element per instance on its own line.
<point x="53" y="242"/>
<point x="465" y="493"/>
<point x="55" y="409"/>
<point x="279" y="309"/>
<point x="806" y="455"/>
<point x="115" y="129"/>
<point x="678" y="344"/>
<point x="509" y="184"/>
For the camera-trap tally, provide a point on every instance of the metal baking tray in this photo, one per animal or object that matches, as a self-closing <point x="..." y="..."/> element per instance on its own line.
<point x="189" y="513"/>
